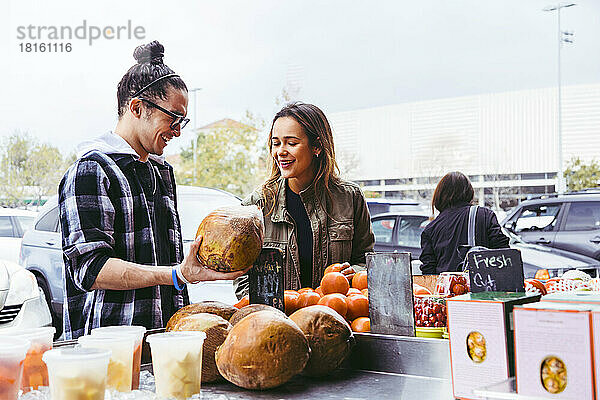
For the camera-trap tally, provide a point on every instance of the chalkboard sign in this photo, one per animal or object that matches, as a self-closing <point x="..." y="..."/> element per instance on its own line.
<point x="266" y="279"/>
<point x="498" y="270"/>
<point x="390" y="294"/>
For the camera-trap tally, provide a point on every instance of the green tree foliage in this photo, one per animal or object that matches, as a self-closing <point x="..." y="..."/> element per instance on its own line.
<point x="230" y="155"/>
<point x="580" y="175"/>
<point x="29" y="170"/>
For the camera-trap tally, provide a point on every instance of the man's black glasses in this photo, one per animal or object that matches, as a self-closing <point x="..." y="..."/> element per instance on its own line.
<point x="177" y="119"/>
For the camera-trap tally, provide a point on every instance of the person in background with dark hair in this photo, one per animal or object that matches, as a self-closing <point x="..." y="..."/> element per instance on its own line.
<point x="312" y="215"/>
<point x="121" y="237"/>
<point x="442" y="238"/>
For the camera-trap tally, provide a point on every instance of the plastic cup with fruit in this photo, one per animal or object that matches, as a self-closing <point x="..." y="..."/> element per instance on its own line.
<point x="12" y="356"/>
<point x="138" y="332"/>
<point x="177" y="363"/>
<point x="121" y="360"/>
<point x="452" y="284"/>
<point x="35" y="372"/>
<point x="77" y="373"/>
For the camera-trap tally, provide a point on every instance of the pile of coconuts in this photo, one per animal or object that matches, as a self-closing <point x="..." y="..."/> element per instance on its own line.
<point x="258" y="347"/>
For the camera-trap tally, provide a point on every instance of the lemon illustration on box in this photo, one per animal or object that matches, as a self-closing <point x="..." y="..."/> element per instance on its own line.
<point x="553" y="373"/>
<point x="476" y="347"/>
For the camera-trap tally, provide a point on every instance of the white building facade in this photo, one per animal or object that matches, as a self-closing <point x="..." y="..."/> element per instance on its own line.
<point x="505" y="142"/>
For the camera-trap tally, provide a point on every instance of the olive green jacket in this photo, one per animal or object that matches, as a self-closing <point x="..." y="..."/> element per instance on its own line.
<point x="342" y="234"/>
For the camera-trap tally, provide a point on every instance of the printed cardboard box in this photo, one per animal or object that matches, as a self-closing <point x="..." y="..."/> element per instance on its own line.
<point x="553" y="350"/>
<point x="481" y="339"/>
<point x="596" y="347"/>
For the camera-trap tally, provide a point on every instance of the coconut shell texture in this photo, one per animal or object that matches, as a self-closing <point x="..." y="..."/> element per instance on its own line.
<point x="216" y="329"/>
<point x="249" y="309"/>
<point x="329" y="337"/>
<point x="264" y="350"/>
<point x="223" y="310"/>
<point x="232" y="238"/>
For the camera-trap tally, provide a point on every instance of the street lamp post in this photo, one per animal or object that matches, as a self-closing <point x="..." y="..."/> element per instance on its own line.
<point x="562" y="37"/>
<point x="195" y="138"/>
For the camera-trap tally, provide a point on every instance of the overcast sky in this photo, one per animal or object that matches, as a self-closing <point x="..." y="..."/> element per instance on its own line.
<point x="346" y="55"/>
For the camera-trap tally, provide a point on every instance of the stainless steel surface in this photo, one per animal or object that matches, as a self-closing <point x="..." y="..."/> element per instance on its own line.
<point x="342" y="384"/>
<point x="390" y="294"/>
<point x="401" y="355"/>
<point x="380" y="367"/>
<point x="505" y="390"/>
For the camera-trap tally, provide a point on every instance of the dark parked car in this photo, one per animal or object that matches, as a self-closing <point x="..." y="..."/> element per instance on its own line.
<point x="399" y="231"/>
<point x="402" y="232"/>
<point x="568" y="222"/>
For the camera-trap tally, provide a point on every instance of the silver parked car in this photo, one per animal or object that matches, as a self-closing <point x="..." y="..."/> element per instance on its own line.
<point x="41" y="248"/>
<point x="22" y="303"/>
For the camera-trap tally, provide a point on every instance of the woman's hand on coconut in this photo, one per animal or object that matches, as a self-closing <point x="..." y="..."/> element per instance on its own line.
<point x="194" y="272"/>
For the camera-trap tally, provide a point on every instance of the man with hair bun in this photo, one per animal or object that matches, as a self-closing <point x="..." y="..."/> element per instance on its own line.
<point x="121" y="237"/>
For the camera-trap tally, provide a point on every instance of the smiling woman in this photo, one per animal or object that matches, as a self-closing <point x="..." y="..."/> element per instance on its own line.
<point x="315" y="217"/>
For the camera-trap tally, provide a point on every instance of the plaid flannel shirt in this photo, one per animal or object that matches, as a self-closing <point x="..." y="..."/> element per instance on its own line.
<point x="112" y="205"/>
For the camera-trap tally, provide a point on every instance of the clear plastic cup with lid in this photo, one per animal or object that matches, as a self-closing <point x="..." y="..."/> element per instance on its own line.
<point x="12" y="355"/>
<point x="138" y="332"/>
<point x="35" y="372"/>
<point x="177" y="363"/>
<point x="119" y="375"/>
<point x="77" y="373"/>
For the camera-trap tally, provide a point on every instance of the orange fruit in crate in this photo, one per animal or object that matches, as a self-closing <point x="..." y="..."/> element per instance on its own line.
<point x="358" y="306"/>
<point x="365" y="292"/>
<point x="244" y="301"/>
<point x="305" y="289"/>
<point x="352" y="291"/>
<point x="290" y="301"/>
<point x="361" y="324"/>
<point x="306" y="299"/>
<point x="337" y="301"/>
<point x="420" y="290"/>
<point x="334" y="282"/>
<point x="360" y="280"/>
<point x="318" y="290"/>
<point x="337" y="267"/>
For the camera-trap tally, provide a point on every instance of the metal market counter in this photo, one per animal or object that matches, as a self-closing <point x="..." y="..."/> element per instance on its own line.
<point x="379" y="367"/>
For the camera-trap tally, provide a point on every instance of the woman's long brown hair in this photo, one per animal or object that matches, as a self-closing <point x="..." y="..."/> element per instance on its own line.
<point x="316" y="126"/>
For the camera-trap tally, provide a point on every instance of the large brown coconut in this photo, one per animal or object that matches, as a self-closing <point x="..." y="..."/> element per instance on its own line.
<point x="232" y="238"/>
<point x="223" y="310"/>
<point x="249" y="309"/>
<point x="263" y="351"/>
<point x="216" y="329"/>
<point x="329" y="336"/>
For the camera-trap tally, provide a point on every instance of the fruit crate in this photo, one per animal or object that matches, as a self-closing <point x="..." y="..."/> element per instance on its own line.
<point x="430" y="311"/>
